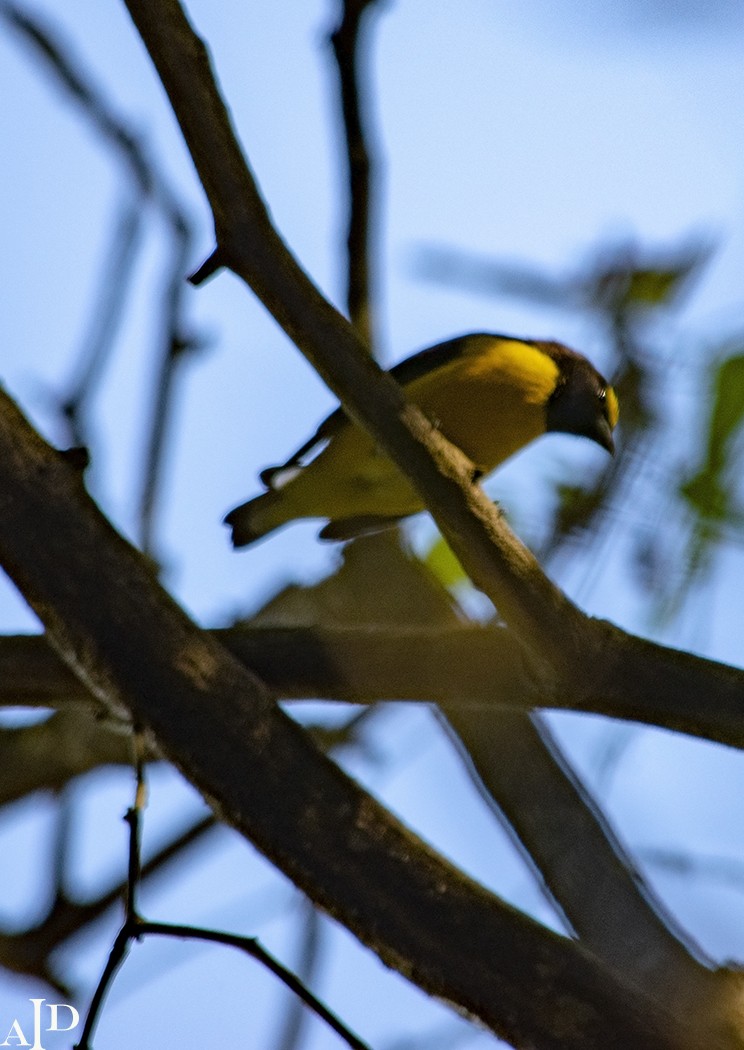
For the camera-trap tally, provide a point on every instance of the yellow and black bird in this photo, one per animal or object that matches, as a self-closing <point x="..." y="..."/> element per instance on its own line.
<point x="488" y="394"/>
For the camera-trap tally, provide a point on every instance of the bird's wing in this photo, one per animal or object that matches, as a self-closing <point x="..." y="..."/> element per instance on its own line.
<point x="432" y="358"/>
<point x="272" y="476"/>
<point x="407" y="371"/>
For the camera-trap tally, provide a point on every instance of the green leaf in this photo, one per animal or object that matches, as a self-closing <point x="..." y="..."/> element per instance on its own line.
<point x="577" y="506"/>
<point x="629" y="277"/>
<point x="707" y="497"/>
<point x="728" y="410"/>
<point x="708" y="492"/>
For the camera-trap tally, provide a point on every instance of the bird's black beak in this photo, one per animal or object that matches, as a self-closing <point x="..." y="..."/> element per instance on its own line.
<point x="602" y="434"/>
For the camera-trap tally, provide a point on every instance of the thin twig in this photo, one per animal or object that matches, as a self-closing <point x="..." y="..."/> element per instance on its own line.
<point x="175" y="343"/>
<point x="134" y="820"/>
<point x="117" y="273"/>
<point x="148" y="185"/>
<point x="31" y="951"/>
<point x="128" y="932"/>
<point x="252" y="947"/>
<point x="117" y="955"/>
<point x="294" y="1018"/>
<point x="348" y="41"/>
<point x="135" y="927"/>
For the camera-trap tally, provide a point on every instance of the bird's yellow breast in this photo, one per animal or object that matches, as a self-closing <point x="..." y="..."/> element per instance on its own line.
<point x="489" y="402"/>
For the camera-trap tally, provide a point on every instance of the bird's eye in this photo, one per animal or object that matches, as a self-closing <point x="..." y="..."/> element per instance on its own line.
<point x="602" y="394"/>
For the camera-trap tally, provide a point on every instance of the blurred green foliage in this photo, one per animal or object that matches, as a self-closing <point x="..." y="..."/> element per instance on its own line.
<point x="678" y="515"/>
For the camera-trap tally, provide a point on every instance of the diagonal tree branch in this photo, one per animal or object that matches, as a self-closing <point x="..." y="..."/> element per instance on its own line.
<point x="136" y="649"/>
<point x="543" y="618"/>
<point x="584" y="866"/>
<point x="560" y="640"/>
<point x="547" y="809"/>
<point x="568" y="649"/>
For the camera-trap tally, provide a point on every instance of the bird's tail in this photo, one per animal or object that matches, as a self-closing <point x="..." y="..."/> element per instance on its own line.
<point x="256" y="518"/>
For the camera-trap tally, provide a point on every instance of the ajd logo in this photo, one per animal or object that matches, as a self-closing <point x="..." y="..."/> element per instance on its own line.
<point x="17" y="1034"/>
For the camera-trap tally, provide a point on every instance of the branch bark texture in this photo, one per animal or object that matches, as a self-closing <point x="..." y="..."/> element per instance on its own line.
<point x="135" y="648"/>
<point x="543" y="618"/>
<point x="457" y="667"/>
<point x="568" y="650"/>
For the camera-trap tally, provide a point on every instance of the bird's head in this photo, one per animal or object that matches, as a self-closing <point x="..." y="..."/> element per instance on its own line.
<point x="583" y="402"/>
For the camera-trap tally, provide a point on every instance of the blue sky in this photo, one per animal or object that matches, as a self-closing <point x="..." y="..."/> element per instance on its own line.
<point x="505" y="130"/>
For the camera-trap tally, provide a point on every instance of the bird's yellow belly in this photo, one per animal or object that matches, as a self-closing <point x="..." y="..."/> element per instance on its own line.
<point x="488" y="420"/>
<point x="351" y="478"/>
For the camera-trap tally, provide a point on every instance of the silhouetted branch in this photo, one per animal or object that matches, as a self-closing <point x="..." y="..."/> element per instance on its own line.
<point x="126" y="935"/>
<point x="148" y="185"/>
<point x="175" y="343"/>
<point x="455" y="666"/>
<point x="135" y="927"/>
<point x="30" y="951"/>
<point x="213" y="719"/>
<point x="349" y="40"/>
<point x="108" y="307"/>
<point x="565" y="837"/>
<point x="252" y="947"/>
<point x="294" y="1018"/>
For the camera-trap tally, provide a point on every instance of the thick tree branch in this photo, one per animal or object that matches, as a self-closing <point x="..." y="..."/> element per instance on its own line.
<point x="622" y="924"/>
<point x="455" y="666"/>
<point x="569" y="649"/>
<point x="46" y="756"/>
<point x="542" y="617"/>
<point x="136" y="648"/>
<point x="578" y="856"/>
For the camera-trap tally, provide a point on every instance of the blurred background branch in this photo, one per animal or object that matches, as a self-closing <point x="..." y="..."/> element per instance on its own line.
<point x="146" y="186"/>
